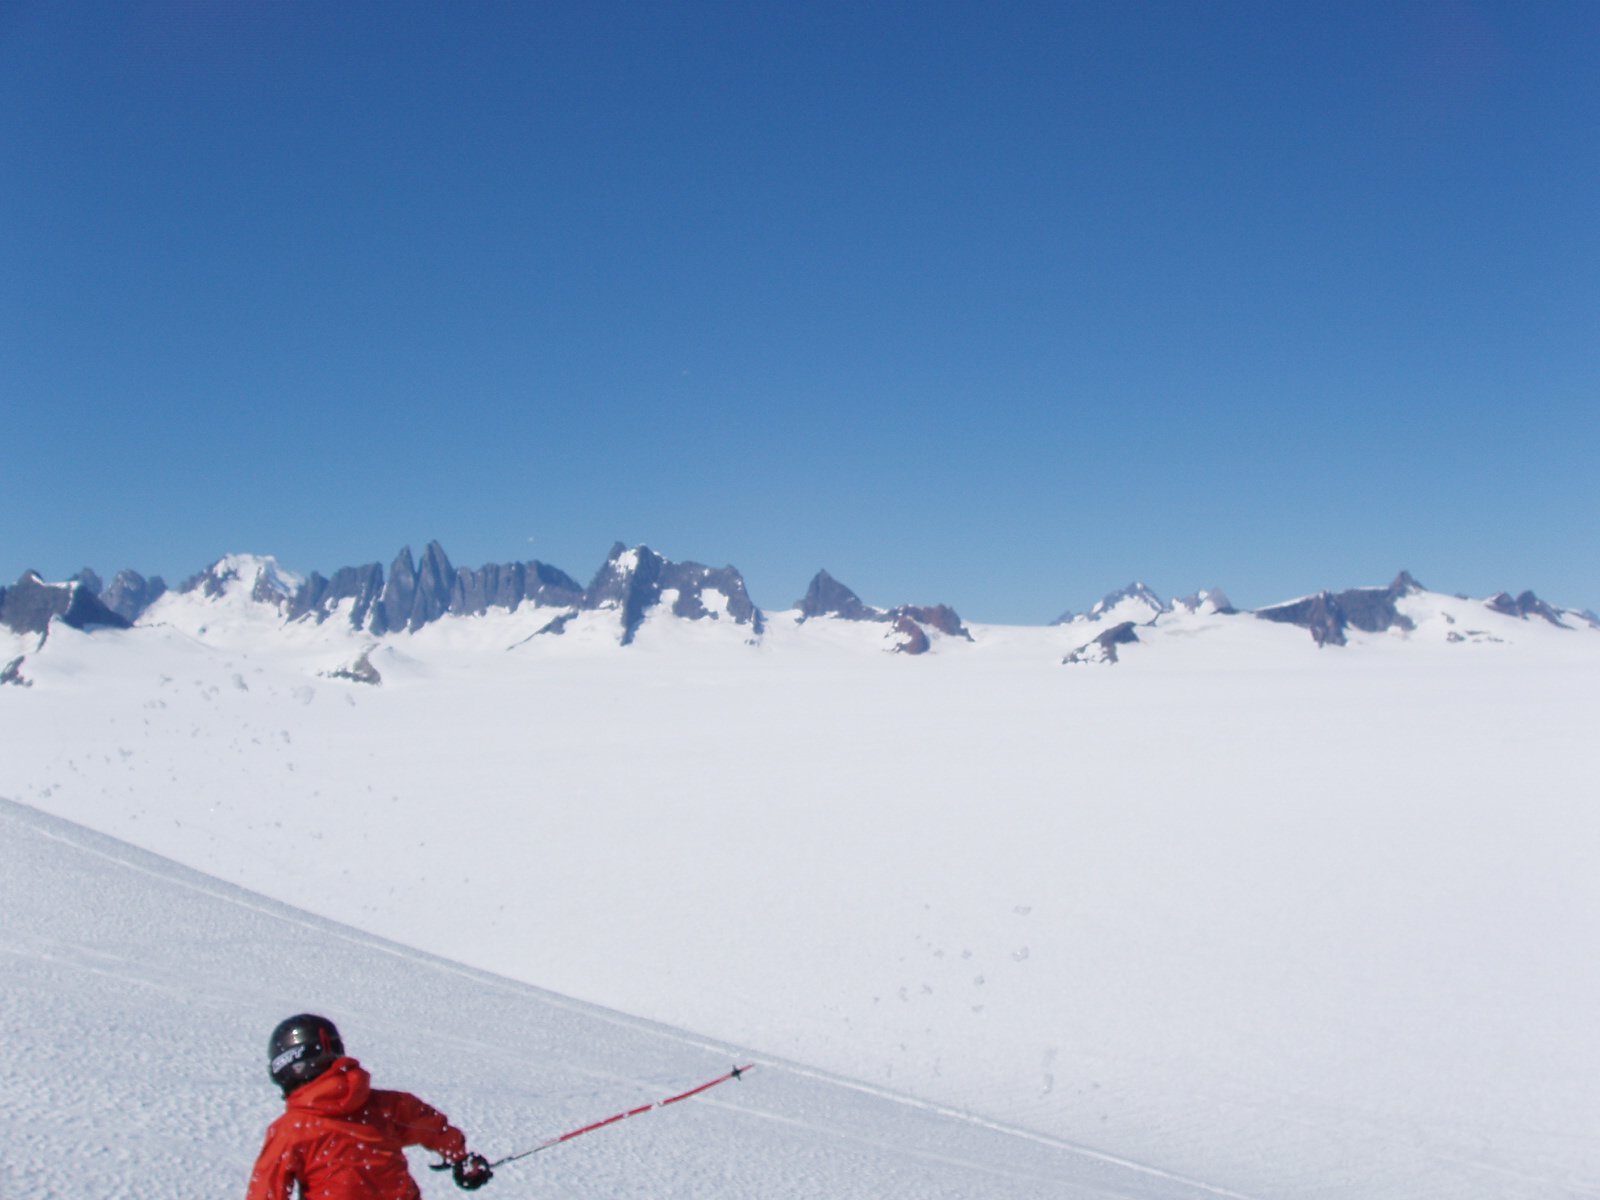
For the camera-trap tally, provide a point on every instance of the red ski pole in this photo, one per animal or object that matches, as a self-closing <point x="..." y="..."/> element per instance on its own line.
<point x="736" y="1073"/>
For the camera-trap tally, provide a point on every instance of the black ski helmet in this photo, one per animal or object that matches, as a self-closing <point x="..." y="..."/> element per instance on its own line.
<point x="301" y="1048"/>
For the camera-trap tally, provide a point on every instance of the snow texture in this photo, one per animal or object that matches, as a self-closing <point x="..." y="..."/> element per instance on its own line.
<point x="139" y="994"/>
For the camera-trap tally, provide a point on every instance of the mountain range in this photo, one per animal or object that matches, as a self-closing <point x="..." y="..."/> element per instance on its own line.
<point x="637" y="584"/>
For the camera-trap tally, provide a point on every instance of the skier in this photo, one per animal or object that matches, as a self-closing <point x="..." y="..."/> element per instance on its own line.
<point x="340" y="1139"/>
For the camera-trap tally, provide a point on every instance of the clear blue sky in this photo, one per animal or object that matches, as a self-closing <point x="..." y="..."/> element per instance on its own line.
<point x="995" y="305"/>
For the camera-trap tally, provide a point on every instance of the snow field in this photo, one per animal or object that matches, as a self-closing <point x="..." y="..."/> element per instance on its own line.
<point x="139" y="995"/>
<point x="1298" y="923"/>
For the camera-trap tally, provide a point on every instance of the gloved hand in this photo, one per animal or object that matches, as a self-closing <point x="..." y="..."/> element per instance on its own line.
<point x="471" y="1172"/>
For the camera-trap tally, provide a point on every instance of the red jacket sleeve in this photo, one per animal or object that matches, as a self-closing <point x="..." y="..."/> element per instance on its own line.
<point x="277" y="1168"/>
<point x="418" y="1124"/>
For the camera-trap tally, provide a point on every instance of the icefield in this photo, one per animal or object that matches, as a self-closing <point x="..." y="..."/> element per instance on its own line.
<point x="1234" y="915"/>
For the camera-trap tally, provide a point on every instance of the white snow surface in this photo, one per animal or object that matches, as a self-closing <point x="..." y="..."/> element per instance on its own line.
<point x="1277" y="920"/>
<point x="138" y="994"/>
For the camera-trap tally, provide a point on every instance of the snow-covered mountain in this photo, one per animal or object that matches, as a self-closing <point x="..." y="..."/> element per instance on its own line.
<point x="634" y="582"/>
<point x="1136" y="603"/>
<point x="637" y="584"/>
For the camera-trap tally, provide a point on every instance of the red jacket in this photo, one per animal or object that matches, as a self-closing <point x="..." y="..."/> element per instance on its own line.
<point x="340" y="1140"/>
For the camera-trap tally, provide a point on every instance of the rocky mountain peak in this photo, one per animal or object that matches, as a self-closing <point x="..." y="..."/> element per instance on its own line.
<point x="416" y="594"/>
<point x="130" y="594"/>
<point x="635" y="581"/>
<point x="1328" y="616"/>
<point x="1405" y="584"/>
<point x="30" y="604"/>
<point x="1206" y="600"/>
<point x="1524" y="606"/>
<point x="1136" y="602"/>
<point x="827" y="597"/>
<point x="256" y="577"/>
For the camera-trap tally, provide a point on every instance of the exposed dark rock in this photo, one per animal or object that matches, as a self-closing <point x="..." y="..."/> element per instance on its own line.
<point x="12" y="673"/>
<point x="509" y="585"/>
<point x="827" y="597"/>
<point x="416" y="594"/>
<point x="130" y="594"/>
<point x="550" y="586"/>
<point x="1471" y="635"/>
<point x="29" y="605"/>
<point x="1532" y="606"/>
<point x="1405" y="584"/>
<point x="1327" y="616"/>
<point x="557" y="625"/>
<point x="317" y="596"/>
<point x="435" y="580"/>
<point x="210" y="582"/>
<point x="629" y="581"/>
<point x="90" y="580"/>
<point x="1320" y="614"/>
<point x="360" y="671"/>
<point x="203" y="582"/>
<point x="1213" y="596"/>
<point x="941" y="617"/>
<point x="1372" y="610"/>
<point x="692" y="581"/>
<point x="914" y="637"/>
<point x="635" y="581"/>
<point x="1525" y="606"/>
<point x="1103" y="649"/>
<point x="266" y="588"/>
<point x="1134" y="591"/>
<point x="393" y="608"/>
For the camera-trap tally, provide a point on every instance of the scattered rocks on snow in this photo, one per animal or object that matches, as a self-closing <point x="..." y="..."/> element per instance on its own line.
<point x="360" y="671"/>
<point x="1103" y="649"/>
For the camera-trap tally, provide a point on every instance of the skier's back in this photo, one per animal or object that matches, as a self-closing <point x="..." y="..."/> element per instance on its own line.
<point x="339" y="1138"/>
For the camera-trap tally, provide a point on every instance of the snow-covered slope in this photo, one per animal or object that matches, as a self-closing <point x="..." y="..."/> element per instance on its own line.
<point x="138" y="997"/>
<point x="1298" y="922"/>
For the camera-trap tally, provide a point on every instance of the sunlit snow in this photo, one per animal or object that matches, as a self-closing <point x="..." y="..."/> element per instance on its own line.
<point x="1289" y="921"/>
